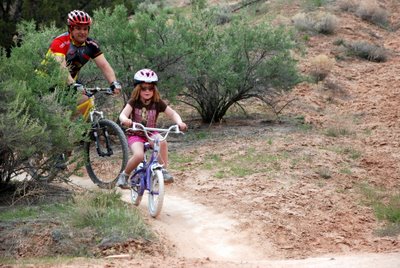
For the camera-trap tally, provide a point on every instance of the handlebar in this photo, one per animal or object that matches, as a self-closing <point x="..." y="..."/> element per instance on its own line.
<point x="140" y="127"/>
<point x="90" y="91"/>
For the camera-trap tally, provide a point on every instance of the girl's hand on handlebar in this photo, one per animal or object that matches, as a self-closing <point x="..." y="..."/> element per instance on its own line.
<point x="127" y="123"/>
<point x="182" y="126"/>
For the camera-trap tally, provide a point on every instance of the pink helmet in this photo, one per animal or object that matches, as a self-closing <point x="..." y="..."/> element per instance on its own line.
<point x="78" y="17"/>
<point x="145" y="76"/>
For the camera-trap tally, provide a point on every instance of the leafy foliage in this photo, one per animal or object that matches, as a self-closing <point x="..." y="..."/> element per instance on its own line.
<point x="209" y="65"/>
<point x="234" y="62"/>
<point x="45" y="13"/>
<point x="35" y="116"/>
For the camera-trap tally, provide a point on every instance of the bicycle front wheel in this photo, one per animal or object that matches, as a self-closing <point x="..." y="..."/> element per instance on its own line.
<point x="107" y="153"/>
<point x="156" y="193"/>
<point x="137" y="188"/>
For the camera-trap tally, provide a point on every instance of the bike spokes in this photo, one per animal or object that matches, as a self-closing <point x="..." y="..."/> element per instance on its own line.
<point x="156" y="193"/>
<point x="106" y="154"/>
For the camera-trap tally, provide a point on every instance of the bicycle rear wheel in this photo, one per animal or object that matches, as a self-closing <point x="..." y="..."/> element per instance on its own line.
<point x="106" y="157"/>
<point x="156" y="193"/>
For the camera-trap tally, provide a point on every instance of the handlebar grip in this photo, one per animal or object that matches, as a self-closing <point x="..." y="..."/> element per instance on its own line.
<point x="177" y="130"/>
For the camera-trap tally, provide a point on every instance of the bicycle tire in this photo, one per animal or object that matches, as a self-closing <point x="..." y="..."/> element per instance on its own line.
<point x="104" y="170"/>
<point x="156" y="193"/>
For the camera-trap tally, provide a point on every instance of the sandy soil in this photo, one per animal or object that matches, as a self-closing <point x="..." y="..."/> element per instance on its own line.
<point x="196" y="235"/>
<point x="309" y="209"/>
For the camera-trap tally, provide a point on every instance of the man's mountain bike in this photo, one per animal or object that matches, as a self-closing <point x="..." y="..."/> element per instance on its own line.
<point x="106" y="150"/>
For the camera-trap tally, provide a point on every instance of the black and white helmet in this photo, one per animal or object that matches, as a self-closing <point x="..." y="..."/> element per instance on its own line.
<point x="145" y="76"/>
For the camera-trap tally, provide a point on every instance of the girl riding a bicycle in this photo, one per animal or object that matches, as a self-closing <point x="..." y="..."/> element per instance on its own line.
<point x="144" y="106"/>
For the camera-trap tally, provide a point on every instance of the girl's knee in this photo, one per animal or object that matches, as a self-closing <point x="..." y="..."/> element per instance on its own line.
<point x="138" y="155"/>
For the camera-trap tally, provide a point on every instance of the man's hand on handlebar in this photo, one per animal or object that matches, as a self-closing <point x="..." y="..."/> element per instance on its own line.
<point x="116" y="87"/>
<point x="78" y="87"/>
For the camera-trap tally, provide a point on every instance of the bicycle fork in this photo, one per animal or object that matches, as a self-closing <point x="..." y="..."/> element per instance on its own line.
<point x="96" y="131"/>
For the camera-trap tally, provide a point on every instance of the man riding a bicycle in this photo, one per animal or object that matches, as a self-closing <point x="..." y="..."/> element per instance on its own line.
<point x="73" y="49"/>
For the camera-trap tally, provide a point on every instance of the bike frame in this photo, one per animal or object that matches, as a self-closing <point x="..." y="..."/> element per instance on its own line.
<point x="89" y="112"/>
<point x="153" y="163"/>
<point x="88" y="108"/>
<point x="142" y="179"/>
<point x="148" y="167"/>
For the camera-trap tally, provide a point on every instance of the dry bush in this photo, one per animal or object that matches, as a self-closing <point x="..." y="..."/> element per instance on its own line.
<point x="303" y="22"/>
<point x="326" y="23"/>
<point x="370" y="10"/>
<point x="321" y="66"/>
<point x="348" y="5"/>
<point x="368" y="51"/>
<point x="320" y="22"/>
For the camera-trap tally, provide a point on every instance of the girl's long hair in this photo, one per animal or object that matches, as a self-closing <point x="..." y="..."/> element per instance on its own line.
<point x="135" y="95"/>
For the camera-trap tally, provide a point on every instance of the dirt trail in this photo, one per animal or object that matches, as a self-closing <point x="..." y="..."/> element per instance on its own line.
<point x="201" y="237"/>
<point x="199" y="232"/>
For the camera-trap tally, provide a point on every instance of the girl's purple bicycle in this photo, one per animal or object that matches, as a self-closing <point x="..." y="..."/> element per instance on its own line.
<point x="148" y="175"/>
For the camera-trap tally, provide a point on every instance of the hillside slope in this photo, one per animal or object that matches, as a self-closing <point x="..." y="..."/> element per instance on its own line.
<point x="313" y="200"/>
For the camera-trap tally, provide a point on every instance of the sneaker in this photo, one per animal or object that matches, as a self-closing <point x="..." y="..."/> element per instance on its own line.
<point x="167" y="177"/>
<point x="121" y="183"/>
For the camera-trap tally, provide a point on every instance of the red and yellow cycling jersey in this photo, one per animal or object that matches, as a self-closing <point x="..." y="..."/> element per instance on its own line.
<point x="75" y="55"/>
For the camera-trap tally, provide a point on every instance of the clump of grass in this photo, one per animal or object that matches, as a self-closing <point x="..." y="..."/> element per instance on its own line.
<point x="197" y="135"/>
<point x="313" y="4"/>
<point x="368" y="51"/>
<point x="300" y="122"/>
<point x="326" y="23"/>
<point x="389" y="211"/>
<point x="320" y="22"/>
<point x="386" y="206"/>
<point x="324" y="173"/>
<point x="33" y="212"/>
<point x="223" y="16"/>
<point x="354" y="154"/>
<point x="108" y="215"/>
<point x="321" y="66"/>
<point x="370" y="10"/>
<point x="337" y="132"/>
<point x="334" y="89"/>
<point x="347" y="5"/>
<point x="78" y="225"/>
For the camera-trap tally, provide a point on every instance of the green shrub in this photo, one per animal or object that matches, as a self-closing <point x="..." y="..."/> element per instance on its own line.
<point x="386" y="205"/>
<point x="109" y="215"/>
<point x="34" y="120"/>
